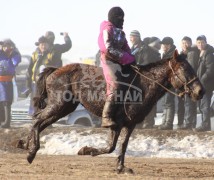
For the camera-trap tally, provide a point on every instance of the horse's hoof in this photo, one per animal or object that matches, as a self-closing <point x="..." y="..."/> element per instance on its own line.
<point x="88" y="151"/>
<point x="124" y="170"/>
<point x="30" y="157"/>
<point x="20" y="144"/>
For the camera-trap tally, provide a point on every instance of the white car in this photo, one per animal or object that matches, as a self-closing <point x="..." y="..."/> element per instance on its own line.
<point x="19" y="113"/>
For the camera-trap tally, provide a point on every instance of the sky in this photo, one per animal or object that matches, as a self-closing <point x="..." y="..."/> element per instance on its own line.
<point x="25" y="21"/>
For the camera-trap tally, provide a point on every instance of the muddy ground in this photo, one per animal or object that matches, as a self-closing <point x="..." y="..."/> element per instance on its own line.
<point x="13" y="164"/>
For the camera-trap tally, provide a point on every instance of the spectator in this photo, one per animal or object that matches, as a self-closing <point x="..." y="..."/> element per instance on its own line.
<point x="115" y="53"/>
<point x="58" y="49"/>
<point x="145" y="54"/>
<point x="168" y="48"/>
<point x="42" y="57"/>
<point x="190" y="115"/>
<point x="137" y="46"/>
<point x="205" y="74"/>
<point x="151" y="55"/>
<point x="9" y="60"/>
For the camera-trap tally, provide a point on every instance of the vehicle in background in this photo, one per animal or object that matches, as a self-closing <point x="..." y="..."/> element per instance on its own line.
<point x="19" y="113"/>
<point x="19" y="110"/>
<point x="82" y="117"/>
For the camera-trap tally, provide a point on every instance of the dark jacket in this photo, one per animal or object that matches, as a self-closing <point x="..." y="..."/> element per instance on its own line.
<point x="145" y="54"/>
<point x="59" y="49"/>
<point x="206" y="68"/>
<point x="192" y="56"/>
<point x="169" y="54"/>
<point x="150" y="55"/>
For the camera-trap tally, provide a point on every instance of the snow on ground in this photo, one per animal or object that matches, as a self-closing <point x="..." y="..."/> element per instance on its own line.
<point x="190" y="146"/>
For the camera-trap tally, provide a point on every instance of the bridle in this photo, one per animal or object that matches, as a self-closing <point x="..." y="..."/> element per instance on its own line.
<point x="187" y="89"/>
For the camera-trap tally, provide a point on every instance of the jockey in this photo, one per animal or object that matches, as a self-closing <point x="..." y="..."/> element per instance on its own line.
<point x="115" y="54"/>
<point x="9" y="60"/>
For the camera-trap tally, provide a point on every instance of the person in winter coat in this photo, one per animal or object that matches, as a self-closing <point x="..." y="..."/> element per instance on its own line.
<point x="137" y="47"/>
<point x="41" y="58"/>
<point x="205" y="74"/>
<point x="168" y="48"/>
<point x="58" y="49"/>
<point x="115" y="54"/>
<point x="9" y="60"/>
<point x="145" y="53"/>
<point x="190" y="107"/>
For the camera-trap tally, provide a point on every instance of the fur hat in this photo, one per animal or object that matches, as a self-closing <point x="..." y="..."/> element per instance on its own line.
<point x="42" y="39"/>
<point x="146" y="40"/>
<point x="167" y="40"/>
<point x="154" y="40"/>
<point x="201" y="37"/>
<point x="135" y="33"/>
<point x="186" y="38"/>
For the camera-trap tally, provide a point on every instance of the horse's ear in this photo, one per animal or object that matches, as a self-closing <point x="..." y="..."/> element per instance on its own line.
<point x="175" y="55"/>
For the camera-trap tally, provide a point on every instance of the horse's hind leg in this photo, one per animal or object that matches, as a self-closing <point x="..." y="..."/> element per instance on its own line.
<point x="126" y="133"/>
<point x="113" y="138"/>
<point x="48" y="116"/>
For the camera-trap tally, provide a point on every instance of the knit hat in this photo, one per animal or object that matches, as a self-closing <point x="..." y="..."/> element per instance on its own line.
<point x="146" y="40"/>
<point x="186" y="38"/>
<point x="135" y="33"/>
<point x="154" y="40"/>
<point x="167" y="40"/>
<point x="42" y="39"/>
<point x="201" y="37"/>
<point x="115" y="16"/>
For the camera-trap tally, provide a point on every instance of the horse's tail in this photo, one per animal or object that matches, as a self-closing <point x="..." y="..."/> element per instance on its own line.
<point x="41" y="92"/>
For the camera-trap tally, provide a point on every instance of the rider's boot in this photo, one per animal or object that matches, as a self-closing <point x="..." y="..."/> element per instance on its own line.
<point x="109" y="111"/>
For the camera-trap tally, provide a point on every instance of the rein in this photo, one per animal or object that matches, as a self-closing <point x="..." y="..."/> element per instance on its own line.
<point x="181" y="94"/>
<point x="137" y="71"/>
<point x="186" y="89"/>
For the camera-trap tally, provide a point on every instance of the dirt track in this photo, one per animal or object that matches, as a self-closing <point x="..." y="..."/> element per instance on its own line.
<point x="13" y="164"/>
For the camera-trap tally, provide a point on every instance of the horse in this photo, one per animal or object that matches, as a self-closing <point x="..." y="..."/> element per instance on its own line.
<point x="60" y="90"/>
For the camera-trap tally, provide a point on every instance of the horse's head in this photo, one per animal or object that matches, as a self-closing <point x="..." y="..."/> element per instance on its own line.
<point x="183" y="77"/>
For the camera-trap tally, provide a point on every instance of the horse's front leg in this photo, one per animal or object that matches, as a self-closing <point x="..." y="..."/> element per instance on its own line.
<point x="34" y="137"/>
<point x="112" y="141"/>
<point x="126" y="133"/>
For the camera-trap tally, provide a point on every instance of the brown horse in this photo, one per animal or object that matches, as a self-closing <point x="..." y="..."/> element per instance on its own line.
<point x="61" y="90"/>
